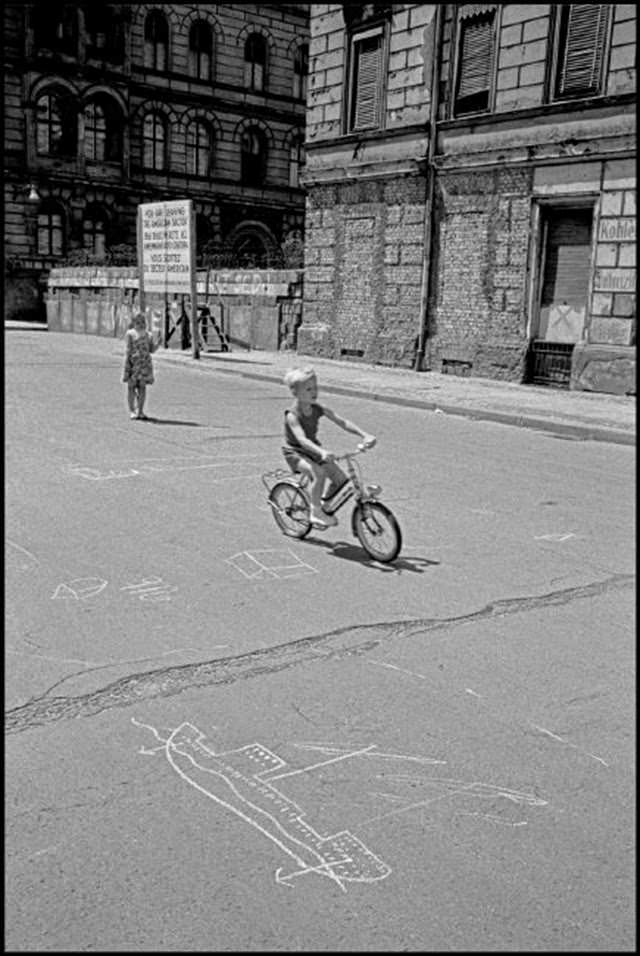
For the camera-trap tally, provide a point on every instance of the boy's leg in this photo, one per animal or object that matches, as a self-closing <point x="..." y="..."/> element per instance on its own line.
<point x="336" y="476"/>
<point x="315" y="493"/>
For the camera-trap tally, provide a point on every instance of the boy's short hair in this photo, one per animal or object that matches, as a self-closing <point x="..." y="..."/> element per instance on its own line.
<point x="296" y="376"/>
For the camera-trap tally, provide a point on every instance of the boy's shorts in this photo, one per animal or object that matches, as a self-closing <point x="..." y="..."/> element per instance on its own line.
<point x="293" y="459"/>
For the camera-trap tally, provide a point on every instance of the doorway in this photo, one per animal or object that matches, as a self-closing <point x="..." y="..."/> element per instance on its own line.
<point x="563" y="292"/>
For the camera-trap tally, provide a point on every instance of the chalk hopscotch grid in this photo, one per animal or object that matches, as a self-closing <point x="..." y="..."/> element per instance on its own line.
<point x="269" y="563"/>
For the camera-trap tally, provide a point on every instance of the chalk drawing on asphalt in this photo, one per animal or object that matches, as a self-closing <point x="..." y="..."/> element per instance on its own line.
<point x="151" y="589"/>
<point x="150" y="466"/>
<point x="270" y="563"/>
<point x="556" y="536"/>
<point x="241" y="781"/>
<point x="18" y="557"/>
<point x="148" y="589"/>
<point x="79" y="589"/>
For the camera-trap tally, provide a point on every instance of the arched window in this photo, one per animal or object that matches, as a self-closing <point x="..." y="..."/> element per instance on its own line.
<point x="94" y="231"/>
<point x="200" y="49"/>
<point x="51" y="238"/>
<point x="254" y="156"/>
<point x="255" y="62"/>
<point x="156" y="41"/>
<point x="56" y="127"/>
<point x="102" y="131"/>
<point x="296" y="160"/>
<point x="198" y="149"/>
<point x="155" y="141"/>
<point x="300" y="72"/>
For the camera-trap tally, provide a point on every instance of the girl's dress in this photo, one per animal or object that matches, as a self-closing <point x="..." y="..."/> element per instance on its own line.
<point x="138" y="367"/>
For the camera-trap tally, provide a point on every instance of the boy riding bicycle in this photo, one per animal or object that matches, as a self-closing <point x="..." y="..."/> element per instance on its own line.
<point x="302" y="450"/>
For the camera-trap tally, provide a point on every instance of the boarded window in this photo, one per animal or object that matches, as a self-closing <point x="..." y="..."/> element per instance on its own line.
<point x="582" y="39"/>
<point x="476" y="48"/>
<point x="366" y="89"/>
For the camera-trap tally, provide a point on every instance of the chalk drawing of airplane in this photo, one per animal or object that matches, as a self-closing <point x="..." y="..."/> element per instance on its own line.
<point x="238" y="780"/>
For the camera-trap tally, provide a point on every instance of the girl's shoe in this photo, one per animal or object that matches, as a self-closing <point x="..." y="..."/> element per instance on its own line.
<point x="133" y="415"/>
<point x="142" y="417"/>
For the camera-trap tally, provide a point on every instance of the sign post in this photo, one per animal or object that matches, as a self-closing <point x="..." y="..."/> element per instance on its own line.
<point x="167" y="253"/>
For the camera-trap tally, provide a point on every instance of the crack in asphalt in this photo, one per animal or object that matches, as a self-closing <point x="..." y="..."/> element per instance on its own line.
<point x="352" y="640"/>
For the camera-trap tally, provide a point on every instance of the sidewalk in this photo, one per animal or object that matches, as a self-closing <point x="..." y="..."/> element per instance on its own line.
<point x="584" y="415"/>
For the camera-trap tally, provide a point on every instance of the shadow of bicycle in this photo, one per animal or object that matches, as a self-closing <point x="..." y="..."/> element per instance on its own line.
<point x="352" y="552"/>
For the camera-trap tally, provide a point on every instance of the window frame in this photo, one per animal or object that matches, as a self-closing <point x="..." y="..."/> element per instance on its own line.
<point x="159" y="122"/>
<point x="60" y="117"/>
<point x="356" y="37"/>
<point x="94" y="232"/>
<point x="296" y="160"/>
<point x="301" y="72"/>
<point x="195" y="149"/>
<point x="153" y="43"/>
<point x="463" y="21"/>
<point x="559" y="48"/>
<point x="250" y="160"/>
<point x="51" y="209"/>
<point x="196" y="53"/>
<point x="251" y="64"/>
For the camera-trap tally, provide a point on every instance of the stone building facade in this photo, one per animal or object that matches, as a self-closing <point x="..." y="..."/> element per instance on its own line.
<point x="471" y="189"/>
<point x="109" y="105"/>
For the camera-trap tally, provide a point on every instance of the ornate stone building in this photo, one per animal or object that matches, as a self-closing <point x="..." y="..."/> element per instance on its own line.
<point x="109" y="105"/>
<point x="471" y="189"/>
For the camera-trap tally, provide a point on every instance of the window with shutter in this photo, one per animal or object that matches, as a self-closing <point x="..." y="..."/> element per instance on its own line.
<point x="366" y="81"/>
<point x="476" y="45"/>
<point x="582" y="38"/>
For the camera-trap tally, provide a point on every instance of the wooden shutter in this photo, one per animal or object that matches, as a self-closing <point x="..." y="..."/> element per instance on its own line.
<point x="368" y="81"/>
<point x="476" y="57"/>
<point x="584" y="43"/>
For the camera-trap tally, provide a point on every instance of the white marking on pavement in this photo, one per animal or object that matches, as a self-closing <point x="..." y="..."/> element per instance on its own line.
<point x="568" y="744"/>
<point x="559" y="536"/>
<point x="401" y="669"/>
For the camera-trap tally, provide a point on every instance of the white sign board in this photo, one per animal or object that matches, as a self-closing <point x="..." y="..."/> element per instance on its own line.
<point x="166" y="252"/>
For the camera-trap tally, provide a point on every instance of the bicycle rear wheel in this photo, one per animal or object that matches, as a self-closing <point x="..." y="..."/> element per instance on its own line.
<point x="377" y="530"/>
<point x="290" y="509"/>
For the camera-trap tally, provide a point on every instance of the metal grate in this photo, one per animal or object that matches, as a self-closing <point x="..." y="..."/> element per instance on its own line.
<point x="549" y="363"/>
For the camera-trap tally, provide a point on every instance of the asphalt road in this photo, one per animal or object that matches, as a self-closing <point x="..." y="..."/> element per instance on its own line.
<point x="222" y="739"/>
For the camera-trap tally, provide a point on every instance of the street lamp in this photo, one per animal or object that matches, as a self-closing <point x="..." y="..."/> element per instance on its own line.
<point x="34" y="195"/>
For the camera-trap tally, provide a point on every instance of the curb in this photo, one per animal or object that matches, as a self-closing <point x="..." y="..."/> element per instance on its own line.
<point x="576" y="432"/>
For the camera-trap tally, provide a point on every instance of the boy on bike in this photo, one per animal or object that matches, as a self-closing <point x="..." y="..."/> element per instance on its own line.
<point x="302" y="450"/>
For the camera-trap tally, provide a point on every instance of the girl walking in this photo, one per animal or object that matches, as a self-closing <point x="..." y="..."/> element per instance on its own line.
<point x="138" y="366"/>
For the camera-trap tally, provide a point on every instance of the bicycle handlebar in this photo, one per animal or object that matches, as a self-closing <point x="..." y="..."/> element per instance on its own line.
<point x="360" y="450"/>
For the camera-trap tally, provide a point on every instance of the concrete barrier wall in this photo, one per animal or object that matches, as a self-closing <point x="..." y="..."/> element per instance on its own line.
<point x="260" y="309"/>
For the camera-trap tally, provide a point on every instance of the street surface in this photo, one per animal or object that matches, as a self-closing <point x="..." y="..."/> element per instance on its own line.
<point x="219" y="738"/>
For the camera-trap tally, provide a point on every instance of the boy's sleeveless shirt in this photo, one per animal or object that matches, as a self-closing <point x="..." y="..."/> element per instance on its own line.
<point x="309" y="425"/>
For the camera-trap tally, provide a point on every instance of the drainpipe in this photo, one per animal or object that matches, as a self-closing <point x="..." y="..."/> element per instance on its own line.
<point x="430" y="190"/>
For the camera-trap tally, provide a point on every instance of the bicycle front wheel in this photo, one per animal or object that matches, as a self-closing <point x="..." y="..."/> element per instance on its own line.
<point x="377" y="530"/>
<point x="290" y="509"/>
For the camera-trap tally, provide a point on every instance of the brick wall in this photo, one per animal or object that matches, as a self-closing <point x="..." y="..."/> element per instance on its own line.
<point x="477" y="310"/>
<point x="363" y="275"/>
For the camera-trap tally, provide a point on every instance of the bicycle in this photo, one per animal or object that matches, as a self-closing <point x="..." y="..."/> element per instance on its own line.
<point x="372" y="523"/>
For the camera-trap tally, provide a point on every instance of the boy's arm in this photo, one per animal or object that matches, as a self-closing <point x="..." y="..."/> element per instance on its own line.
<point x="367" y="439"/>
